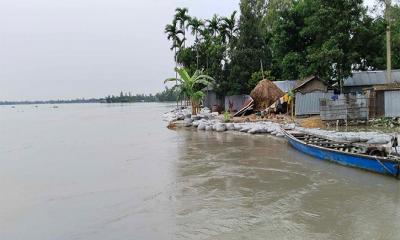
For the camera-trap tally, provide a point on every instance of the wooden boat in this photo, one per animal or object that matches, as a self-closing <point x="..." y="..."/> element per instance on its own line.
<point x="344" y="153"/>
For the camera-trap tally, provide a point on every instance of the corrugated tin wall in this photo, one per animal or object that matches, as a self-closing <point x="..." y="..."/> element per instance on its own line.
<point x="392" y="103"/>
<point x="211" y="99"/>
<point x="237" y="102"/>
<point x="308" y="104"/>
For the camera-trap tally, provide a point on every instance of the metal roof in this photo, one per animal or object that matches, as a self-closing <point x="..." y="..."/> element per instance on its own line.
<point x="285" y="86"/>
<point x="369" y="78"/>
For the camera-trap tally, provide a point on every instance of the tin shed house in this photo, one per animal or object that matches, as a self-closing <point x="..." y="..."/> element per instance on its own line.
<point x="308" y="94"/>
<point x="384" y="94"/>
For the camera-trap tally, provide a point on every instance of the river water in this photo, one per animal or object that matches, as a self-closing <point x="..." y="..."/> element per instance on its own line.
<point x="94" y="172"/>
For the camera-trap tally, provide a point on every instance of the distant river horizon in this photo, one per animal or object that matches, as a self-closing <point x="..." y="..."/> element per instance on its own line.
<point x="114" y="171"/>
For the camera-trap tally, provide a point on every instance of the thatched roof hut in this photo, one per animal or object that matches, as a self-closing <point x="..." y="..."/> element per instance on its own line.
<point x="265" y="94"/>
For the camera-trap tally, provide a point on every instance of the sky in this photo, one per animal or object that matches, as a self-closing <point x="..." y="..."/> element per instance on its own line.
<point x="66" y="49"/>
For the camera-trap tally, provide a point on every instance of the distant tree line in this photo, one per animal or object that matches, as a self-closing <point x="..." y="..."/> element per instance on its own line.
<point x="60" y="101"/>
<point x="168" y="95"/>
<point x="285" y="40"/>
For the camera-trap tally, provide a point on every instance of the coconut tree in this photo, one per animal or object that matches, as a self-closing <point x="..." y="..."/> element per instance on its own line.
<point x="228" y="32"/>
<point x="173" y="35"/>
<point x="182" y="18"/>
<point x="190" y="86"/>
<point x="214" y="25"/>
<point x="196" y="25"/>
<point x="229" y="25"/>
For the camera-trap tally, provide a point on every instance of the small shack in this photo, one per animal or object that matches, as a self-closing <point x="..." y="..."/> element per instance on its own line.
<point x="308" y="94"/>
<point x="265" y="94"/>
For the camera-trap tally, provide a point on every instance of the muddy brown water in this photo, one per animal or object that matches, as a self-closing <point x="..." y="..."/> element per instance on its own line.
<point x="116" y="172"/>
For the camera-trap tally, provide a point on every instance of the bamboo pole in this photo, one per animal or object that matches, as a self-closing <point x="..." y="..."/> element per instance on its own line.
<point x="388" y="41"/>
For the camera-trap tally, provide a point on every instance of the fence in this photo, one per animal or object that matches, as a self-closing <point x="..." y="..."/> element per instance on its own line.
<point x="346" y="107"/>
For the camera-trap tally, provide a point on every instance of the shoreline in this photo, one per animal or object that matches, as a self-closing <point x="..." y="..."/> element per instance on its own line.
<point x="212" y="122"/>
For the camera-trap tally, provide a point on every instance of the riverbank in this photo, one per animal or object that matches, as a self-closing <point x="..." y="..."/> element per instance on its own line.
<point x="208" y="121"/>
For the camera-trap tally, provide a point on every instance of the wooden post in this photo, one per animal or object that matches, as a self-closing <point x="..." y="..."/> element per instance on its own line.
<point x="262" y="69"/>
<point x="292" y="109"/>
<point x="388" y="41"/>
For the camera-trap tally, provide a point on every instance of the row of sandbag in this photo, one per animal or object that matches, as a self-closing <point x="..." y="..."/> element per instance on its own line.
<point x="365" y="137"/>
<point x="247" y="127"/>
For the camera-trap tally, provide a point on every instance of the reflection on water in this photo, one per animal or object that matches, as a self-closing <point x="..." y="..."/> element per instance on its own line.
<point x="115" y="172"/>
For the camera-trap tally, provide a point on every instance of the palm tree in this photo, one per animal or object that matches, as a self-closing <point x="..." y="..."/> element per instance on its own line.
<point x="173" y="34"/>
<point x="214" y="25"/>
<point x="230" y="26"/>
<point x="182" y="18"/>
<point x="196" y="26"/>
<point x="229" y="30"/>
<point x="190" y="86"/>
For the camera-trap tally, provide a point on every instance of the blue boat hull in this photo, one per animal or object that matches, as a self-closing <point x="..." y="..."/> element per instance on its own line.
<point x="358" y="161"/>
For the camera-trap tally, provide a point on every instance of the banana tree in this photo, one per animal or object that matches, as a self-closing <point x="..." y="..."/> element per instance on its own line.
<point x="190" y="86"/>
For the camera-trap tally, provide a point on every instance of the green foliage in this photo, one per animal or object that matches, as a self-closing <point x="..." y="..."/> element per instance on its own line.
<point x="258" y="76"/>
<point x="168" y="95"/>
<point x="251" y="47"/>
<point x="386" y="122"/>
<point x="227" y="117"/>
<point x="293" y="39"/>
<point x="190" y="86"/>
<point x="395" y="15"/>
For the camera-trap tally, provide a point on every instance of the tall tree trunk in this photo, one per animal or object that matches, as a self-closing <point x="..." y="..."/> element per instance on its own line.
<point x="197" y="52"/>
<point x="193" y="107"/>
<point x="176" y="74"/>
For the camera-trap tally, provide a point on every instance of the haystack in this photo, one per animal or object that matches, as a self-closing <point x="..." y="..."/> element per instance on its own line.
<point x="265" y="94"/>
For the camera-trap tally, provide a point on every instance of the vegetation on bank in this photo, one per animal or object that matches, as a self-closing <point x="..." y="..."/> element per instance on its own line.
<point x="283" y="40"/>
<point x="189" y="87"/>
<point x="80" y="100"/>
<point x="168" y="95"/>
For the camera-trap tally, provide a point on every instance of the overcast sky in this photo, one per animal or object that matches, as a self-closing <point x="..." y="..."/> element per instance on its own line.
<point x="61" y="49"/>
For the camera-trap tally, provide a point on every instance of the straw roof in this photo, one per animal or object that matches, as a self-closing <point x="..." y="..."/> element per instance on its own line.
<point x="265" y="94"/>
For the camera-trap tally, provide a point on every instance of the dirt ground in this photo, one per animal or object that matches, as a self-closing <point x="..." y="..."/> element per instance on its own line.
<point x="311" y="122"/>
